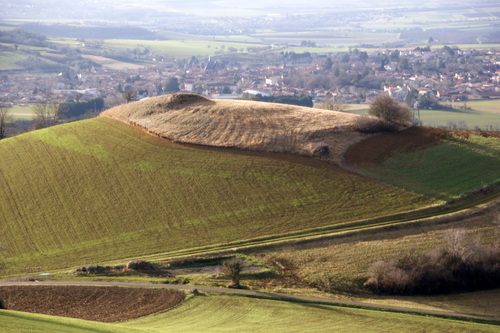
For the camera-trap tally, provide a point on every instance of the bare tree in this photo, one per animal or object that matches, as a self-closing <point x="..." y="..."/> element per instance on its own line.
<point x="386" y="108"/>
<point x="5" y="122"/>
<point x="113" y="100"/>
<point x="129" y="95"/>
<point x="47" y="114"/>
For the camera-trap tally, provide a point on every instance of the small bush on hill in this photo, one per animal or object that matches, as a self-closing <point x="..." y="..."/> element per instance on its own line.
<point x="386" y="108"/>
<point x="233" y="268"/>
<point x="139" y="265"/>
<point x="91" y="269"/>
<point x="463" y="264"/>
<point x="177" y="280"/>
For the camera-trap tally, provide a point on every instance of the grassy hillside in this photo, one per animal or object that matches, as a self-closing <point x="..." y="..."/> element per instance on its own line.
<point x="223" y="313"/>
<point x="100" y="190"/>
<point x="451" y="167"/>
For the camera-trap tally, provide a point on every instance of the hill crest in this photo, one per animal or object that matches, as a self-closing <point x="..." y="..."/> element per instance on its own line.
<point x="249" y="125"/>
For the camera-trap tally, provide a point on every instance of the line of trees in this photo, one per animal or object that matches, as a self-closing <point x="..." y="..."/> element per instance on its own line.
<point x="78" y="110"/>
<point x="300" y="100"/>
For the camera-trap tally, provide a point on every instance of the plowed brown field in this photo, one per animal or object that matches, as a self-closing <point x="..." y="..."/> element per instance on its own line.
<point x="105" y="304"/>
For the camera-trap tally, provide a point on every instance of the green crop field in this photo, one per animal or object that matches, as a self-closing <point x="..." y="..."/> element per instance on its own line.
<point x="8" y="60"/>
<point x="224" y="313"/>
<point x="489" y="105"/>
<point x="21" y="112"/>
<point x="484" y="114"/>
<point x="100" y="190"/>
<point x="471" y="118"/>
<point x="446" y="170"/>
<point x="178" y="47"/>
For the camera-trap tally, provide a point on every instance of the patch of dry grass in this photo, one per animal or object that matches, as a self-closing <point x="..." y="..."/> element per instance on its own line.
<point x="248" y="125"/>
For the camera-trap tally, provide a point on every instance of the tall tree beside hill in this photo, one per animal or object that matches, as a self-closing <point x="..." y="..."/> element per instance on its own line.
<point x="129" y="95"/>
<point x="387" y="109"/>
<point x="172" y="85"/>
<point x="47" y="114"/>
<point x="5" y="122"/>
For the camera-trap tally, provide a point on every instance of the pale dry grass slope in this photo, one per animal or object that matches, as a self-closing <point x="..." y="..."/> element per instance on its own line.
<point x="249" y="125"/>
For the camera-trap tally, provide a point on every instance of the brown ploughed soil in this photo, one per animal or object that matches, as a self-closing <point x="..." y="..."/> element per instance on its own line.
<point x="105" y="304"/>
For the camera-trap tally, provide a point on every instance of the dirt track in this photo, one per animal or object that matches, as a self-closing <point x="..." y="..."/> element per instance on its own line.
<point x="28" y="292"/>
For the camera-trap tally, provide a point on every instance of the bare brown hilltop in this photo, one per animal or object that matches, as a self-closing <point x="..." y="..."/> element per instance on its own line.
<point x="249" y="125"/>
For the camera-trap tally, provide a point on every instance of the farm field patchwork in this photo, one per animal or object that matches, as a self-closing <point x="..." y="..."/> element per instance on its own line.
<point x="346" y="261"/>
<point x="225" y="313"/>
<point x="99" y="190"/>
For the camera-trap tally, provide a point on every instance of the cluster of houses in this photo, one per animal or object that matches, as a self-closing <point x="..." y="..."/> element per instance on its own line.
<point x="216" y="80"/>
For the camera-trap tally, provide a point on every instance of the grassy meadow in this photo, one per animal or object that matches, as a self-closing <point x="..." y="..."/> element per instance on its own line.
<point x="8" y="60"/>
<point x="227" y="313"/>
<point x="486" y="105"/>
<point x="470" y="118"/>
<point x="22" y="112"/>
<point x="99" y="190"/>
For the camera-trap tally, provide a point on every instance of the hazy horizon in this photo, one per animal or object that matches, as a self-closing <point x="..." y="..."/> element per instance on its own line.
<point x="87" y="9"/>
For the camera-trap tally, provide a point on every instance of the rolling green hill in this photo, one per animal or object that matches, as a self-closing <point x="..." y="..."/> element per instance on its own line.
<point x="100" y="190"/>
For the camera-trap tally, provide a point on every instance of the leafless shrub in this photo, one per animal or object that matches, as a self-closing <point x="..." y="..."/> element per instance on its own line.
<point x="94" y="269"/>
<point x="129" y="95"/>
<point x="461" y="264"/>
<point x="386" y="108"/>
<point x="139" y="265"/>
<point x="233" y="268"/>
<point x="47" y="114"/>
